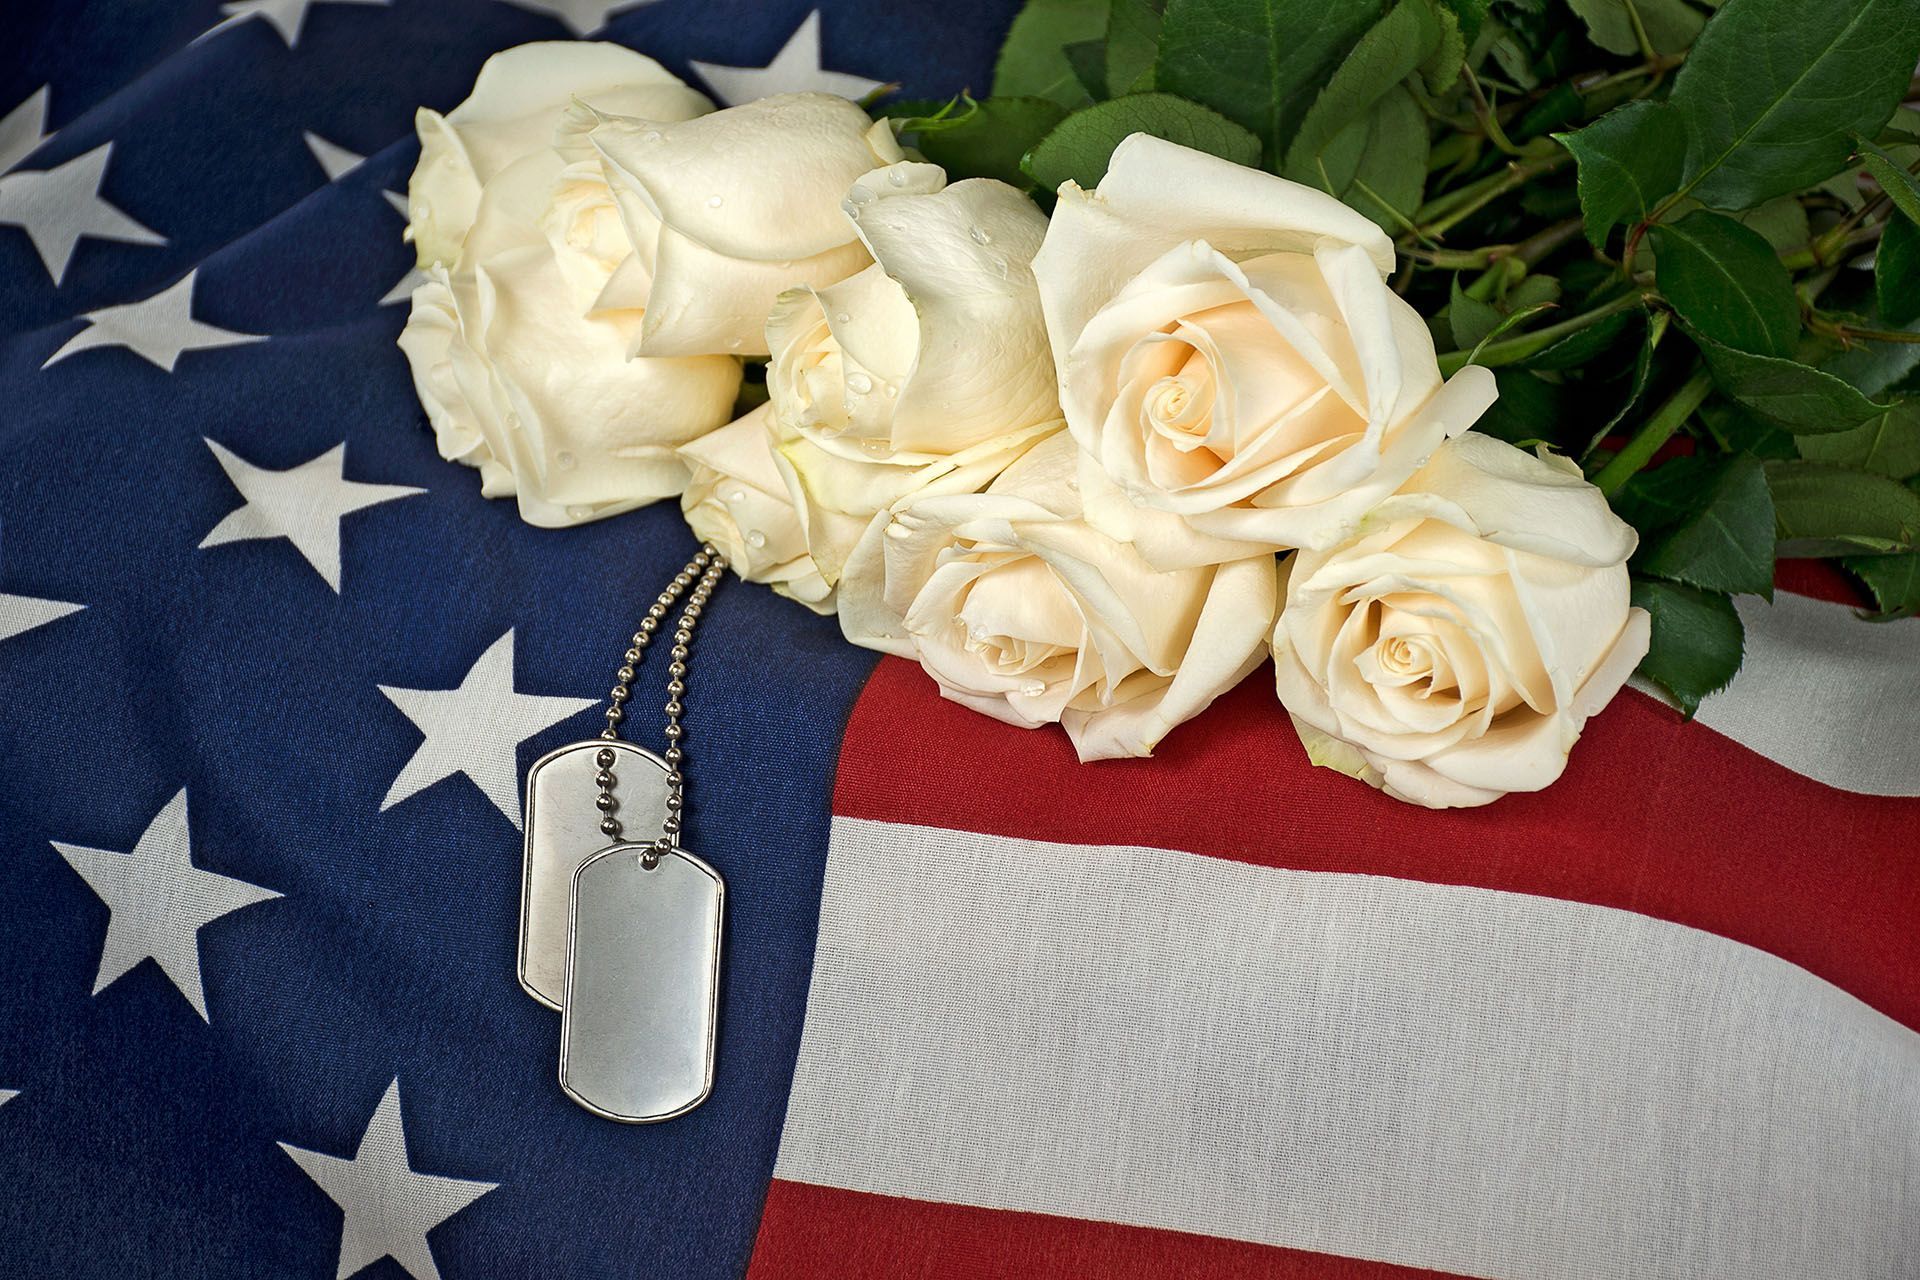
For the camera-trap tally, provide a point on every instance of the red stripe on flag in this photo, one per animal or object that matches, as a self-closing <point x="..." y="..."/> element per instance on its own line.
<point x="824" y="1233"/>
<point x="1654" y="815"/>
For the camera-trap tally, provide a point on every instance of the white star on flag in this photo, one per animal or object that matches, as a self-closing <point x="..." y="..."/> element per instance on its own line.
<point x="287" y="17"/>
<point x="157" y="329"/>
<point x="24" y="613"/>
<point x="23" y="129"/>
<point x="334" y="158"/>
<point x="159" y="902"/>
<point x="388" y="1208"/>
<point x="59" y="205"/>
<point x="582" y="17"/>
<point x="476" y="729"/>
<point x="303" y="504"/>
<point x="795" y="68"/>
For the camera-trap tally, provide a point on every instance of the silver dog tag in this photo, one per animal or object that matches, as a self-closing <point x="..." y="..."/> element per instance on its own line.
<point x="643" y="984"/>
<point x="563" y="830"/>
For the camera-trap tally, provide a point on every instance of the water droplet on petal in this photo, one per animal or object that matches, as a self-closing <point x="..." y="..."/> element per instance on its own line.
<point x="756" y="539"/>
<point x="1033" y="688"/>
<point x="579" y="513"/>
<point x="738" y="495"/>
<point x="860" y="195"/>
<point x="841" y="317"/>
<point x="513" y="420"/>
<point x="979" y="236"/>
<point x="785" y="264"/>
<point x="733" y="344"/>
<point x="714" y="202"/>
<point x="565" y="460"/>
<point x="897" y="178"/>
<point x="859" y="383"/>
<point x="876" y="448"/>
<point x="892" y="390"/>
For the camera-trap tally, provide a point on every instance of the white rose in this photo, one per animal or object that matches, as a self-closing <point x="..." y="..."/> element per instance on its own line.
<point x="733" y="207"/>
<point x="738" y="501"/>
<point x="1451" y="650"/>
<point x="520" y="355"/>
<point x="939" y="345"/>
<point x="517" y="99"/>
<point x="1229" y="351"/>
<point x="927" y="370"/>
<point x="1023" y="611"/>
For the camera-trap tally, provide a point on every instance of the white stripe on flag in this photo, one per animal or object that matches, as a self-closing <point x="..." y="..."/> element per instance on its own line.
<point x="1826" y="695"/>
<point x="1475" y="1081"/>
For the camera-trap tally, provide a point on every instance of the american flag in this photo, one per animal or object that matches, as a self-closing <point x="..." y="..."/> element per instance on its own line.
<point x="270" y="672"/>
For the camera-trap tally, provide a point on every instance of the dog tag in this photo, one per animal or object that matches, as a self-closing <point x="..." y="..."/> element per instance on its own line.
<point x="643" y="984"/>
<point x="563" y="830"/>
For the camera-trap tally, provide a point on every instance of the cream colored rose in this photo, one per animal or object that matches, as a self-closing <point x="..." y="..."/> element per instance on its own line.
<point x="517" y="99"/>
<point x="738" y="501"/>
<point x="1023" y="611"/>
<point x="733" y="207"/>
<point x="927" y="370"/>
<point x="1452" y="649"/>
<point x="936" y="347"/>
<point x="520" y="356"/>
<point x="1229" y="352"/>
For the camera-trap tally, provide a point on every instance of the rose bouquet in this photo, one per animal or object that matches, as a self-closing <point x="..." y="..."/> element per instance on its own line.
<point x="1462" y="356"/>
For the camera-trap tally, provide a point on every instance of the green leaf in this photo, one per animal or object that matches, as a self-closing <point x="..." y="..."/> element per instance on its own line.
<point x="1630" y="159"/>
<point x="1586" y="345"/>
<point x="1738" y="429"/>
<point x="1773" y="90"/>
<point x="1725" y="541"/>
<point x="1390" y="51"/>
<point x="1893" y="580"/>
<point x="1901" y="187"/>
<point x="1822" y="510"/>
<point x="1529" y="408"/>
<point x="1781" y="222"/>
<point x="1082" y="143"/>
<point x="988" y="139"/>
<point x="1443" y="66"/>
<point x="1258" y="62"/>
<point x="1088" y="58"/>
<point x="1671" y="25"/>
<point x="1896" y="272"/>
<point x="1697" y="640"/>
<point x="1133" y="42"/>
<point x="1888" y="446"/>
<point x="1727" y="282"/>
<point x="1379" y="163"/>
<point x="1799" y="397"/>
<point x="1032" y="63"/>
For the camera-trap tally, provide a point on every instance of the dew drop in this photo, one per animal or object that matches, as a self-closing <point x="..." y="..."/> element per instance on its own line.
<point x="892" y="390"/>
<point x="579" y="513"/>
<point x="859" y="383"/>
<point x="897" y="178"/>
<point x="756" y="539"/>
<point x="738" y="495"/>
<point x="652" y="135"/>
<point x="714" y="202"/>
<point x="513" y="420"/>
<point x="876" y="448"/>
<point x="978" y="236"/>
<point x="565" y="460"/>
<point x="733" y="344"/>
<point x="860" y="195"/>
<point x="784" y="265"/>
<point x="841" y="317"/>
<point x="1033" y="688"/>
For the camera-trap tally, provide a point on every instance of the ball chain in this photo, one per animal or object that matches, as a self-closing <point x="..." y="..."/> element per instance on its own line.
<point x="701" y="575"/>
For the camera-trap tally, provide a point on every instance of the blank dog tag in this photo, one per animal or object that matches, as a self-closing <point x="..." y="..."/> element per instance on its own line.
<point x="642" y="984"/>
<point x="563" y="830"/>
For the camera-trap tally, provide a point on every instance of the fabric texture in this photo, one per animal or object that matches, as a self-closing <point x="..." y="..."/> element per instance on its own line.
<point x="271" y="670"/>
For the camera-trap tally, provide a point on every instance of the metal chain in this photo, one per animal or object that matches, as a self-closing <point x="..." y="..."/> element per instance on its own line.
<point x="701" y="574"/>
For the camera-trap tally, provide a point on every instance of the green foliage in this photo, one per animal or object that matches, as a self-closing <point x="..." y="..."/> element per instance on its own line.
<point x="1630" y="159"/>
<point x="1822" y="510"/>
<point x="1697" y="640"/>
<point x="1773" y="89"/>
<point x="986" y="139"/>
<point x="1798" y="397"/>
<point x="1887" y="446"/>
<point x="1896" y="272"/>
<point x="1893" y="580"/>
<point x="1669" y="25"/>
<point x="1390" y="51"/>
<point x="1725" y="281"/>
<point x="1080" y="146"/>
<point x="1032" y="63"/>
<point x="1258" y="62"/>
<point x="1901" y="187"/>
<point x="1722" y="538"/>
